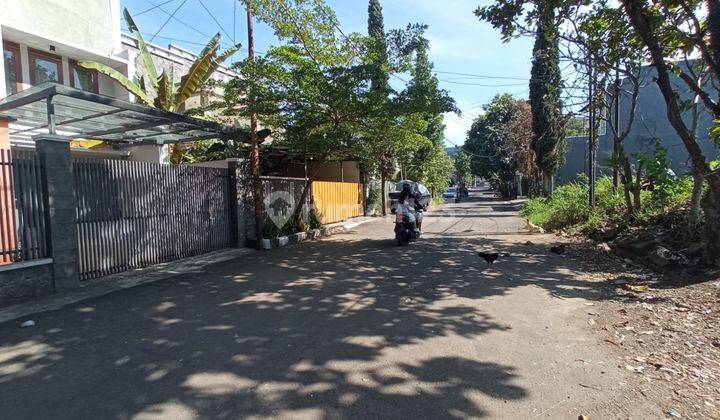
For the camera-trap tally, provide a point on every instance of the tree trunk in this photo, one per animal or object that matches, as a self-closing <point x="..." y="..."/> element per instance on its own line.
<point x="382" y="192"/>
<point x="637" y="188"/>
<point x="696" y="198"/>
<point x="297" y="213"/>
<point x="548" y="180"/>
<point x="254" y="141"/>
<point x="711" y="211"/>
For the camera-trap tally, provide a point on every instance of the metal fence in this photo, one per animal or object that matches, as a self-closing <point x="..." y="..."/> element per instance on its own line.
<point x="134" y="214"/>
<point x="338" y="201"/>
<point x="22" y="212"/>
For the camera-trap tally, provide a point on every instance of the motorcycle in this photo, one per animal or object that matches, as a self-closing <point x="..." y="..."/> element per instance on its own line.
<point x="405" y="232"/>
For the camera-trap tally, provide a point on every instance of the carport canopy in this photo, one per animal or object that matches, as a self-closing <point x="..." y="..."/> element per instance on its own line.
<point x="51" y="108"/>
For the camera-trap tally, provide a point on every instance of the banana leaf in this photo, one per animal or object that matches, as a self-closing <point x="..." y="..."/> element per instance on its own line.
<point x="219" y="60"/>
<point x="196" y="76"/>
<point x="163" y="99"/>
<point x="120" y="78"/>
<point x="208" y="70"/>
<point x="230" y="51"/>
<point x="147" y="58"/>
<point x="211" y="45"/>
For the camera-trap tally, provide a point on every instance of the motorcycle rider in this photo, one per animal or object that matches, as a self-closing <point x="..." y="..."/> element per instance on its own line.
<point x="410" y="207"/>
<point x="418" y="211"/>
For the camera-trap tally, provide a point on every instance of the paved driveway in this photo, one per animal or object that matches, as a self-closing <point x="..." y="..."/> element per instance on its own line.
<point x="350" y="326"/>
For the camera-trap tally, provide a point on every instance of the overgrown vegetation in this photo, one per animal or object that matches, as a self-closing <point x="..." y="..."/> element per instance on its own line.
<point x="569" y="210"/>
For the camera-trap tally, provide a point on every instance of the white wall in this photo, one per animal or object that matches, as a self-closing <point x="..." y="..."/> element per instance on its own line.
<point x="92" y="25"/>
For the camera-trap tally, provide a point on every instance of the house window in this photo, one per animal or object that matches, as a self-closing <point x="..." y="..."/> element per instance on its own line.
<point x="81" y="78"/>
<point x="13" y="73"/>
<point x="44" y="67"/>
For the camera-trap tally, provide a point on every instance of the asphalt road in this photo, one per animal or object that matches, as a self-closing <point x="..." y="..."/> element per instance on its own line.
<point x="352" y="326"/>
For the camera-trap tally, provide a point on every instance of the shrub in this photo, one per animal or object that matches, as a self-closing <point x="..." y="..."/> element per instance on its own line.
<point x="314" y="219"/>
<point x="569" y="208"/>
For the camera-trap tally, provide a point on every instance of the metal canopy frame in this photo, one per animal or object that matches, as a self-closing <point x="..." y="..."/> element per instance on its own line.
<point x="51" y="108"/>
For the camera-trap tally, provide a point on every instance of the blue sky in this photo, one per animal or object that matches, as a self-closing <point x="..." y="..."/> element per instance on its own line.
<point x="459" y="42"/>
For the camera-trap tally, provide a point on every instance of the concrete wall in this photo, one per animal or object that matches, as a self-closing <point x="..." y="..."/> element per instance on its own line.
<point x="25" y="280"/>
<point x="345" y="171"/>
<point x="651" y="125"/>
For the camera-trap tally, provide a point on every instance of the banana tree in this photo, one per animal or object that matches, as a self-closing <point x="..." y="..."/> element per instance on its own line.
<point x="168" y="95"/>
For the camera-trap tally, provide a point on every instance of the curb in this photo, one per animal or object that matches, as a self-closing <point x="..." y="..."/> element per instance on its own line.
<point x="534" y="228"/>
<point x="296" y="238"/>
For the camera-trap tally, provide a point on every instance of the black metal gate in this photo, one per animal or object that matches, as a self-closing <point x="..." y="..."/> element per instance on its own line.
<point x="135" y="214"/>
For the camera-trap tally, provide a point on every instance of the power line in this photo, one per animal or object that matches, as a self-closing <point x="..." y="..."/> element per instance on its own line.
<point x="234" y="18"/>
<point x="213" y="18"/>
<point x="482" y="85"/>
<point x="154" y="7"/>
<point x="168" y="20"/>
<point x="178" y="20"/>
<point x="481" y="76"/>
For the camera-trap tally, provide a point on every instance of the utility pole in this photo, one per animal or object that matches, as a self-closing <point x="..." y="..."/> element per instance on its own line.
<point x="255" y="146"/>
<point x="616" y="131"/>
<point x="591" y="132"/>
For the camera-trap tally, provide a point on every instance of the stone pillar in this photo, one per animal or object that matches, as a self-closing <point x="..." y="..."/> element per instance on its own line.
<point x="60" y="218"/>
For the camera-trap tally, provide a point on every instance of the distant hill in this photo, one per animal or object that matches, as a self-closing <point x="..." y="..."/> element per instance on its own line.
<point x="452" y="151"/>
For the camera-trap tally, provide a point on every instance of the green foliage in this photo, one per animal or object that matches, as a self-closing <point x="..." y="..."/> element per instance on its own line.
<point x="576" y="126"/>
<point x="437" y="168"/>
<point x="463" y="168"/>
<point x="545" y="92"/>
<point x="569" y="209"/>
<point x="658" y="172"/>
<point x="378" y="51"/>
<point x="271" y="231"/>
<point x="495" y="142"/>
<point x="314" y="219"/>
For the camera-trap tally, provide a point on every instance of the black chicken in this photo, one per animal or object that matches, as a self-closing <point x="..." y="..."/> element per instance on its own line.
<point x="558" y="249"/>
<point x="489" y="258"/>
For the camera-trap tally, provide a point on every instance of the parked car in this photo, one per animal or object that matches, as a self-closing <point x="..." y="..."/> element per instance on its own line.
<point x="415" y="187"/>
<point x="451" y="193"/>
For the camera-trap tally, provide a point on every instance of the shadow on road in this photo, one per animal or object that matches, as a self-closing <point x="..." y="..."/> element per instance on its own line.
<point x="330" y="329"/>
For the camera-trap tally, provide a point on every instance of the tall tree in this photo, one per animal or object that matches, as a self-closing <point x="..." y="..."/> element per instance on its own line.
<point x="665" y="33"/>
<point x="380" y="89"/>
<point x="378" y="52"/>
<point x="545" y="92"/>
<point x="424" y="97"/>
<point x="493" y="154"/>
